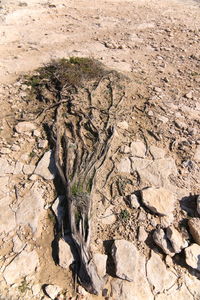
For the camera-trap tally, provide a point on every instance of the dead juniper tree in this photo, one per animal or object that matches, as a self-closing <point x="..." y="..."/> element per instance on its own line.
<point x="87" y="99"/>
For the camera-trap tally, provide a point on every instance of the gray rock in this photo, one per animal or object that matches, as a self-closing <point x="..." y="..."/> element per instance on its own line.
<point x="125" y="149"/>
<point x="30" y="207"/>
<point x="157" y="153"/>
<point x="161" y="240"/>
<point x="23" y="265"/>
<point x="194" y="226"/>
<point x="18" y="245"/>
<point x="46" y="167"/>
<point x="189" y="95"/>
<point x="142" y="234"/>
<point x="197" y="154"/>
<point x="7" y="216"/>
<point x="52" y="290"/>
<point x="159" y="200"/>
<point x="134" y="290"/>
<point x="36" y="288"/>
<point x="5" y="167"/>
<point x="180" y="293"/>
<point x="124" y="165"/>
<point x="58" y="209"/>
<point x="18" y="168"/>
<point x="192" y="284"/>
<point x="25" y="127"/>
<point x="5" y="150"/>
<point x="192" y="254"/>
<point x="123" y="125"/>
<point x="15" y="148"/>
<point x="167" y="221"/>
<point x="108" y="217"/>
<point x="125" y="268"/>
<point x="176" y="239"/>
<point x="154" y="172"/>
<point x="133" y="200"/>
<point x="158" y="276"/>
<point x="28" y="169"/>
<point x="65" y="254"/>
<point x="42" y="144"/>
<point x="138" y="149"/>
<point x="4" y="189"/>
<point x="100" y="261"/>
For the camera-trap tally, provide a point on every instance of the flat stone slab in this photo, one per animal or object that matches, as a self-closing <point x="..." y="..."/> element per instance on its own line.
<point x="125" y="256"/>
<point x="23" y="265"/>
<point x="159" y="200"/>
<point x="46" y="167"/>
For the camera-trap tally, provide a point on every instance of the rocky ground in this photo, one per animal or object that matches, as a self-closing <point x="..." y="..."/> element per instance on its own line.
<point x="146" y="218"/>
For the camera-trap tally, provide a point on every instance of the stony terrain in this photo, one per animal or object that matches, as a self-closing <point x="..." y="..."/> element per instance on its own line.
<point x="146" y="218"/>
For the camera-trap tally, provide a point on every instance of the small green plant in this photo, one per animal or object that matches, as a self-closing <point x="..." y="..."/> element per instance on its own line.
<point x="32" y="154"/>
<point x="76" y="189"/>
<point x="24" y="286"/>
<point x="124" y="215"/>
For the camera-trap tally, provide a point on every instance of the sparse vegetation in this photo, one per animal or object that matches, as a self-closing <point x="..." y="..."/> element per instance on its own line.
<point x="77" y="189"/>
<point x="70" y="72"/>
<point x="32" y="154"/>
<point x="124" y="215"/>
<point x="23" y="287"/>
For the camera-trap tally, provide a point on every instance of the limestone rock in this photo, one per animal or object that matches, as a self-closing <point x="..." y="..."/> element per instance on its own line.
<point x="18" y="244"/>
<point x="156" y="152"/>
<point x="193" y="286"/>
<point x="28" y="169"/>
<point x="124" y="166"/>
<point x="7" y="216"/>
<point x="158" y="200"/>
<point x="36" y="288"/>
<point x="125" y="268"/>
<point x="154" y="172"/>
<point x="192" y="254"/>
<point x="176" y="239"/>
<point x="167" y="221"/>
<point x="58" y="209"/>
<point x="108" y="217"/>
<point x="100" y="263"/>
<point x="194" y="226"/>
<point x="18" y="168"/>
<point x="30" y="207"/>
<point x="133" y="200"/>
<point x="24" y="127"/>
<point x="52" y="290"/>
<point x="138" y="149"/>
<point x="65" y="254"/>
<point x="23" y="265"/>
<point x="125" y="149"/>
<point x="197" y="154"/>
<point x="161" y="240"/>
<point x="4" y="190"/>
<point x="139" y="164"/>
<point x="42" y="144"/>
<point x="46" y="167"/>
<point x="142" y="234"/>
<point x="134" y="290"/>
<point x="5" y="167"/>
<point x="158" y="275"/>
<point x="181" y="293"/>
<point x="123" y="125"/>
